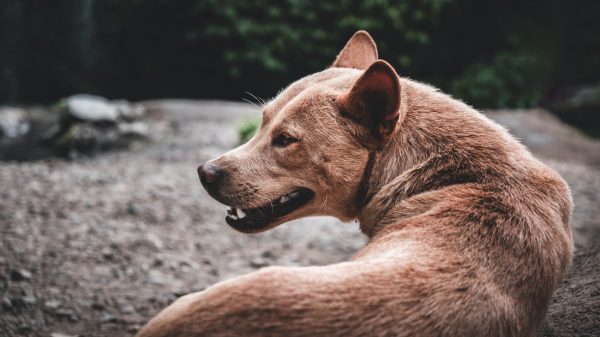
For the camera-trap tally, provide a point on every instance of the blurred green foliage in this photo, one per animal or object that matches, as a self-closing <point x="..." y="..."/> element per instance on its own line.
<point x="247" y="129"/>
<point x="509" y="53"/>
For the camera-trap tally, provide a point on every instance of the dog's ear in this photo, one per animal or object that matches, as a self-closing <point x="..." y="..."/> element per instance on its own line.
<point x="359" y="52"/>
<point x="373" y="104"/>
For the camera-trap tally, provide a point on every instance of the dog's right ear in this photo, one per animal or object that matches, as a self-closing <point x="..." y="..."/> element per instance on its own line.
<point x="359" y="52"/>
<point x="373" y="105"/>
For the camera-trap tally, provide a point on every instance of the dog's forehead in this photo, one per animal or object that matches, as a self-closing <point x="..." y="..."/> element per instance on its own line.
<point x="332" y="81"/>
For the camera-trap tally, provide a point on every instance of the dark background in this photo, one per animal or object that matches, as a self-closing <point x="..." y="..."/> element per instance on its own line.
<point x="511" y="53"/>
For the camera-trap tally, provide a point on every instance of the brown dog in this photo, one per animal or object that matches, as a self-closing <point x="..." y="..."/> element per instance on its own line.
<point x="468" y="233"/>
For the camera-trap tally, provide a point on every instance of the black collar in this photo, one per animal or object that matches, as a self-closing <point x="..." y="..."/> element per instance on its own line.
<point x="362" y="196"/>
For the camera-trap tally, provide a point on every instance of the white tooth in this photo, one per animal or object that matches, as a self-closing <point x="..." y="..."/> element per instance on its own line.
<point x="293" y="194"/>
<point x="241" y="213"/>
<point x="284" y="199"/>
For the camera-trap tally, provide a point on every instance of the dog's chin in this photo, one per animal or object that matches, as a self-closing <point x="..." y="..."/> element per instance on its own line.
<point x="273" y="213"/>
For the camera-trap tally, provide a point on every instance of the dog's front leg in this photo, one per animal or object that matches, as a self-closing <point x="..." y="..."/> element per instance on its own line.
<point x="257" y="304"/>
<point x="275" y="301"/>
<point x="212" y="312"/>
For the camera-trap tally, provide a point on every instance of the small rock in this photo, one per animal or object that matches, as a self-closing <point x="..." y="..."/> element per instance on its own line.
<point x="158" y="262"/>
<point x="129" y="111"/>
<point x="93" y="124"/>
<point x="133" y="328"/>
<point x="60" y="334"/>
<point x="97" y="306"/>
<point x="67" y="313"/>
<point x="184" y="267"/>
<point x="85" y="138"/>
<point x="6" y="303"/>
<point x="91" y="108"/>
<point x="132" y="209"/>
<point x="29" y="299"/>
<point x="107" y="253"/>
<point x="156" y="277"/>
<point x="154" y="240"/>
<point x="52" y="304"/>
<point x="126" y="308"/>
<point x="259" y="263"/>
<point x="13" y="122"/>
<point x="20" y="275"/>
<point x="135" y="129"/>
<point x="110" y="318"/>
<point x="179" y="293"/>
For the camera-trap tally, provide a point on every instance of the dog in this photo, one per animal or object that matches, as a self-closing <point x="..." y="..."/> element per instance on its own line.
<point x="469" y="234"/>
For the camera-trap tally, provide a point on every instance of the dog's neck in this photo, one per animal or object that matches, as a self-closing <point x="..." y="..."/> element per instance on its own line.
<point x="383" y="186"/>
<point x="423" y="155"/>
<point x="380" y="181"/>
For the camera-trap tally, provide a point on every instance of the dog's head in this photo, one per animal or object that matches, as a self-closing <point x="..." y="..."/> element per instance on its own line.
<point x="310" y="154"/>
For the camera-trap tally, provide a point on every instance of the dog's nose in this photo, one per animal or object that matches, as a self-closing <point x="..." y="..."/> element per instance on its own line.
<point x="209" y="173"/>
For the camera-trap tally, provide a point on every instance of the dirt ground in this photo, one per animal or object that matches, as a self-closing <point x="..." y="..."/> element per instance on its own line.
<point x="94" y="247"/>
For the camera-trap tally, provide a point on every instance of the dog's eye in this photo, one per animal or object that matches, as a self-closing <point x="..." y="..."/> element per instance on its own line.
<point x="283" y="140"/>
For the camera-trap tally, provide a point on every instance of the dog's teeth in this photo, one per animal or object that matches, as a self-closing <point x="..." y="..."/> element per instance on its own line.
<point x="284" y="199"/>
<point x="241" y="213"/>
<point x="293" y="194"/>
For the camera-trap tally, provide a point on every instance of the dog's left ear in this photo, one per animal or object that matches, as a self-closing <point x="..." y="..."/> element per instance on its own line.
<point x="373" y="104"/>
<point x="359" y="52"/>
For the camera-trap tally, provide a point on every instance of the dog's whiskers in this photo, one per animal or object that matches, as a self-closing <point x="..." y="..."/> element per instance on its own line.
<point x="259" y="100"/>
<point x="252" y="103"/>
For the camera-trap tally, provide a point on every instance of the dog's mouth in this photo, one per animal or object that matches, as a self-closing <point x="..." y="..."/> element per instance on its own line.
<point x="252" y="219"/>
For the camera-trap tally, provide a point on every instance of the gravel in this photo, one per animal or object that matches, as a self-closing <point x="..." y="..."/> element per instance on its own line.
<point x="96" y="246"/>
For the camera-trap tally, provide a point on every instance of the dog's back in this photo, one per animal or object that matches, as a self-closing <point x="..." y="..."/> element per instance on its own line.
<point x="493" y="220"/>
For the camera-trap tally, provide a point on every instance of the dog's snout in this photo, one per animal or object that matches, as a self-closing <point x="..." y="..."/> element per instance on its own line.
<point x="209" y="173"/>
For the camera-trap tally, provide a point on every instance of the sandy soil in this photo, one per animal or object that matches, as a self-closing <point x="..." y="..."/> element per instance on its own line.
<point x="96" y="246"/>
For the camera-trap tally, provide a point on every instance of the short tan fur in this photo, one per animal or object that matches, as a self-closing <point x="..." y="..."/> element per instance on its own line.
<point x="468" y="233"/>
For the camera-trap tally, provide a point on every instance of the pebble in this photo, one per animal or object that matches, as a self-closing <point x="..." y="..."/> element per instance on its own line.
<point x="68" y="313"/>
<point x="110" y="318"/>
<point x="18" y="275"/>
<point x="134" y="328"/>
<point x="52" y="304"/>
<point x="60" y="334"/>
<point x="259" y="263"/>
<point x="155" y="241"/>
<point x="107" y="253"/>
<point x="126" y="308"/>
<point x="29" y="299"/>
<point x="97" y="306"/>
<point x="132" y="209"/>
<point x="156" y="277"/>
<point x="267" y="254"/>
<point x="6" y="303"/>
